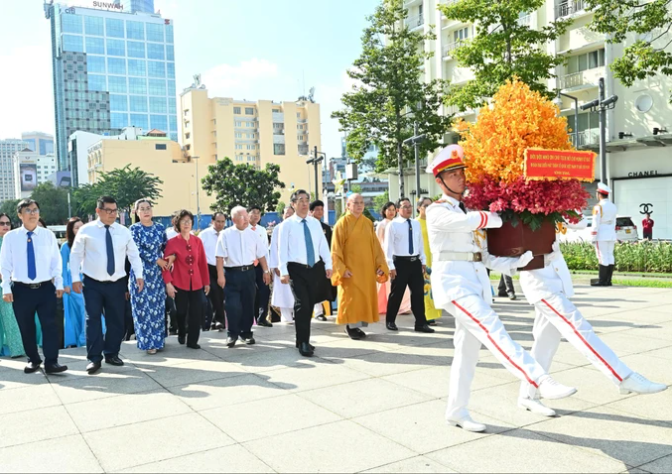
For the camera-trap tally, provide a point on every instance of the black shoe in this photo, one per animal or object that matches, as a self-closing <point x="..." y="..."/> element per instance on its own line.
<point x="391" y="326"/>
<point x="181" y="340"/>
<point x="92" y="368"/>
<point x="114" y="361"/>
<point x="502" y="294"/>
<point x="31" y="367"/>
<point x="218" y="326"/>
<point x="355" y="333"/>
<point x="55" y="368"/>
<point x="424" y="329"/>
<point x="195" y="346"/>
<point x="172" y="332"/>
<point x="306" y="349"/>
<point x="312" y="348"/>
<point x="603" y="280"/>
<point x="248" y="341"/>
<point x="432" y="323"/>
<point x="512" y="296"/>
<point x="321" y="318"/>
<point x="264" y="323"/>
<point x="230" y="341"/>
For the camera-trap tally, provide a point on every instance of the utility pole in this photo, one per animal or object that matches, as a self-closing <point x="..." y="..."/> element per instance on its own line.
<point x="198" y="198"/>
<point x="602" y="105"/>
<point x="415" y="140"/>
<point x="315" y="161"/>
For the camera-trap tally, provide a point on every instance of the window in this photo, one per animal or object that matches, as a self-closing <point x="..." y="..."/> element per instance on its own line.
<point x="115" y="65"/>
<point x="157" y="105"/>
<point x="155" y="32"/>
<point x="137" y="86"/>
<point x="250" y="147"/>
<point x="171" y="88"/>
<point x="114" y="28"/>
<point x="71" y="24"/>
<point x="118" y="103"/>
<point x="160" y="146"/>
<point x="586" y="61"/>
<point x="172" y="107"/>
<point x="169" y="33"/>
<point x="172" y="122"/>
<point x="239" y="135"/>
<point x="135" y="30"/>
<point x="136" y="49"/>
<point x="117" y="83"/>
<point x="137" y="67"/>
<point x="95" y="64"/>
<point x="116" y="48"/>
<point x="93" y="25"/>
<point x="249" y="111"/>
<point x="95" y="45"/>
<point x="238" y="124"/>
<point x="276" y="110"/>
<point x="236" y="110"/>
<point x="118" y="120"/>
<point x="239" y="147"/>
<point x="156" y="69"/>
<point x="140" y="120"/>
<point x="138" y="104"/>
<point x="73" y="43"/>
<point x="170" y="68"/>
<point x="157" y="87"/>
<point x="96" y="82"/>
<point x="170" y="53"/>
<point x="461" y="34"/>
<point x="155" y="51"/>
<point x="159" y="122"/>
<point x="278" y="149"/>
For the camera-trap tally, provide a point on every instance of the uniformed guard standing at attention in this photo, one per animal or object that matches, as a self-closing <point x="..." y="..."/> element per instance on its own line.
<point x="603" y="235"/>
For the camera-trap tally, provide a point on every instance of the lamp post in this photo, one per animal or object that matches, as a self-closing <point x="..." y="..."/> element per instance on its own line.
<point x="198" y="200"/>
<point x="315" y="161"/>
<point x="415" y="140"/>
<point x="576" y="114"/>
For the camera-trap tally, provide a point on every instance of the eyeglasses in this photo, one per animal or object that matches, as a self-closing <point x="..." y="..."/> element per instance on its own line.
<point x="185" y="222"/>
<point x="5" y="223"/>
<point x="145" y="210"/>
<point x="407" y="207"/>
<point x="110" y="211"/>
<point x="30" y="211"/>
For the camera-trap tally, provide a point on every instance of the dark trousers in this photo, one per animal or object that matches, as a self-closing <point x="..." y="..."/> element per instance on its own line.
<point x="171" y="316"/>
<point x="648" y="235"/>
<point x="42" y="300"/>
<point x="305" y="284"/>
<point x="505" y="286"/>
<point x="239" y="293"/>
<point x="216" y="295"/>
<point x="129" y="325"/>
<point x="108" y="298"/>
<point x="409" y="274"/>
<point x="262" y="296"/>
<point x="189" y="304"/>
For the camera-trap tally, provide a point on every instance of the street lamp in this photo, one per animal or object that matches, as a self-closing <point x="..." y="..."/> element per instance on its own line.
<point x="558" y="102"/>
<point x="415" y="140"/>
<point x="315" y="161"/>
<point x="198" y="201"/>
<point x="400" y="151"/>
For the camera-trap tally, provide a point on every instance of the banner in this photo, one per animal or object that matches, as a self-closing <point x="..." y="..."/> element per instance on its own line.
<point x="28" y="174"/>
<point x="559" y="165"/>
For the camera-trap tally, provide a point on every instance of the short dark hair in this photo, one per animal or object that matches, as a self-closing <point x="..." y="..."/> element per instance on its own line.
<point x="401" y="200"/>
<point x="183" y="213"/>
<point x="252" y="208"/>
<point x="11" y="224"/>
<point x="385" y="207"/>
<point x="295" y="196"/>
<point x="26" y="203"/>
<point x="42" y="222"/>
<point x="315" y="204"/>
<point x="422" y="200"/>
<point x="105" y="200"/>
<point x="70" y="230"/>
<point x="218" y="213"/>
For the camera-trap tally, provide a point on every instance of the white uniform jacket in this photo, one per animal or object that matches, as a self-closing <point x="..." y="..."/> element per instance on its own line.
<point x="451" y="230"/>
<point x="604" y="221"/>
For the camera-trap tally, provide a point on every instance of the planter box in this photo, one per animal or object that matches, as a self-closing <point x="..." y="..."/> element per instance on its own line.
<point x="510" y="241"/>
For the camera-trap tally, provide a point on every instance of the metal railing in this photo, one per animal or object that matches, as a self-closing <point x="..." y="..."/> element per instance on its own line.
<point x="577" y="79"/>
<point x="415" y="21"/>
<point x="569" y="8"/>
<point x="525" y="20"/>
<point x="448" y="49"/>
<point x="586" y="137"/>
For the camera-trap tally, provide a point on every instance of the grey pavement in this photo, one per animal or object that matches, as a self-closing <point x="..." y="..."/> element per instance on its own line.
<point x="375" y="405"/>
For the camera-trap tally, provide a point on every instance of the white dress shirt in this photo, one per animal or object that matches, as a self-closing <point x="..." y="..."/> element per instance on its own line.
<point x="209" y="238"/>
<point x="14" y="258"/>
<point x="240" y="248"/>
<point x="261" y="231"/>
<point x="396" y="240"/>
<point x="89" y="253"/>
<point x="171" y="233"/>
<point x="292" y="243"/>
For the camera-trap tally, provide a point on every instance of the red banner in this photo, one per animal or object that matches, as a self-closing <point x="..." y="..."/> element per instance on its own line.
<point x="559" y="165"/>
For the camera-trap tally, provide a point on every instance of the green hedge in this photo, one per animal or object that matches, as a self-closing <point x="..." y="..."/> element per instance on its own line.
<point x="643" y="256"/>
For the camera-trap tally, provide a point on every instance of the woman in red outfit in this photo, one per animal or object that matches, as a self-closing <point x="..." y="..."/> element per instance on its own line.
<point x="188" y="278"/>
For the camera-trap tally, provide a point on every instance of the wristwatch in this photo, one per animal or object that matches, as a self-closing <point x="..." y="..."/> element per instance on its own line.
<point x="268" y="271"/>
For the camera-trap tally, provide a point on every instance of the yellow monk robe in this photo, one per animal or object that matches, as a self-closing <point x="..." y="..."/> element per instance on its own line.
<point x="355" y="247"/>
<point x="431" y="312"/>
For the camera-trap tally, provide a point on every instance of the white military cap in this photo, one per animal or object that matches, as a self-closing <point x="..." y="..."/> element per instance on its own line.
<point x="604" y="189"/>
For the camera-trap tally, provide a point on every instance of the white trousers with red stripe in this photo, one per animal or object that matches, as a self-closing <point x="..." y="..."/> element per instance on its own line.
<point x="557" y="317"/>
<point x="604" y="250"/>
<point x="475" y="324"/>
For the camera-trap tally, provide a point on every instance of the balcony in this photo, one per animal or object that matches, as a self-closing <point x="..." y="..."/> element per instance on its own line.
<point x="278" y="117"/>
<point x="525" y="20"/>
<point x="450" y="47"/>
<point x="415" y="21"/>
<point x="587" y="138"/>
<point x="410" y="3"/>
<point x="278" y="139"/>
<point x="303" y="150"/>
<point x="301" y="121"/>
<point x="569" y="8"/>
<point x="582" y="80"/>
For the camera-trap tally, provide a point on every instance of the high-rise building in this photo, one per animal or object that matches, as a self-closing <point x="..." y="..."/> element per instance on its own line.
<point x="112" y="68"/>
<point x="39" y="142"/>
<point x="132" y="6"/>
<point x="8" y="148"/>
<point x="30" y="170"/>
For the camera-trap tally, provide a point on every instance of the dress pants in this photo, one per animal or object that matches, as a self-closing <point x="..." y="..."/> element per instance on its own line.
<point x="305" y="284"/>
<point x="42" y="300"/>
<point x="605" y="252"/>
<point x="108" y="298"/>
<point x="475" y="324"/>
<point x="557" y="317"/>
<point x="189" y="305"/>
<point x="262" y="296"/>
<point x="239" y="293"/>
<point x="409" y="274"/>
<point x="171" y="316"/>
<point x="506" y="285"/>
<point x="216" y="295"/>
<point x="129" y="324"/>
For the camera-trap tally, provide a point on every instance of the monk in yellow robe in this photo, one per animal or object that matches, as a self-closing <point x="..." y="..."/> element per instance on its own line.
<point x="358" y="263"/>
<point x="431" y="312"/>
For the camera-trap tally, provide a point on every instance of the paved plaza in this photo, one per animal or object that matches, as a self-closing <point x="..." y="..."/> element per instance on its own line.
<point x="375" y="405"/>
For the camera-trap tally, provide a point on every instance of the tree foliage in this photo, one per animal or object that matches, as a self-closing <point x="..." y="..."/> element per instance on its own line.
<point x="502" y="48"/>
<point x="389" y="84"/>
<point x="9" y="207"/>
<point x="127" y="185"/>
<point x="53" y="202"/>
<point x="243" y="185"/>
<point x="380" y="200"/>
<point x="84" y="200"/>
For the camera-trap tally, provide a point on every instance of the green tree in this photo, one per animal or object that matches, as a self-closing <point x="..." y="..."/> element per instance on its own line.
<point x="389" y="85"/>
<point x="503" y="47"/>
<point x="84" y="200"/>
<point x="127" y="185"/>
<point x="53" y="202"/>
<point x="380" y="200"/>
<point x="649" y="22"/>
<point x="280" y="208"/>
<point x="356" y="188"/>
<point x="243" y="185"/>
<point x="9" y="207"/>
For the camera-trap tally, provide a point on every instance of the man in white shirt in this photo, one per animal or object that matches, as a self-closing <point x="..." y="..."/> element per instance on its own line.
<point x="300" y="246"/>
<point x="282" y="296"/>
<point x="263" y="293"/>
<point x="209" y="238"/>
<point x="603" y="235"/>
<point x="99" y="252"/>
<point x="31" y="265"/>
<point x="405" y="255"/>
<point x="238" y="247"/>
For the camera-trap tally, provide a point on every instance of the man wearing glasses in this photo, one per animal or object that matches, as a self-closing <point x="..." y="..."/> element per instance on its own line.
<point x="99" y="252"/>
<point x="31" y="267"/>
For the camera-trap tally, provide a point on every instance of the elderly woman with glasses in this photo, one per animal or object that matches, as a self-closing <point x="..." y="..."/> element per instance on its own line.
<point x="10" y="335"/>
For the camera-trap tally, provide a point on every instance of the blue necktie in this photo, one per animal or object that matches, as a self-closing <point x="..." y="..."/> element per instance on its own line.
<point x="110" y="250"/>
<point x="32" y="270"/>
<point x="310" y="251"/>
<point x="410" y="237"/>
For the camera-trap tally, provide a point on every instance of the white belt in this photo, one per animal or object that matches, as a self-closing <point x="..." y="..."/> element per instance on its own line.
<point x="460" y="256"/>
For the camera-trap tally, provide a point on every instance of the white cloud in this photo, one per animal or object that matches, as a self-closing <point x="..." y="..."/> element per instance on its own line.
<point x="232" y="80"/>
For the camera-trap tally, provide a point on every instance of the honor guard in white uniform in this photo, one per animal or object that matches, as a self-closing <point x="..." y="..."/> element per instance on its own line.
<point x="460" y="285"/>
<point x="603" y="235"/>
<point x="549" y="290"/>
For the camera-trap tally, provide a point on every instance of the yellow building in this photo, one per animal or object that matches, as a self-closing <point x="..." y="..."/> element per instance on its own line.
<point x="257" y="133"/>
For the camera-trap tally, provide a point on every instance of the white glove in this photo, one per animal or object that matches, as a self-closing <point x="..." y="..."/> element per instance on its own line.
<point x="548" y="258"/>
<point x="494" y="220"/>
<point x="524" y="260"/>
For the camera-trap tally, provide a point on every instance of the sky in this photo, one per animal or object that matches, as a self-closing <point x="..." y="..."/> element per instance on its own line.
<point x="245" y="49"/>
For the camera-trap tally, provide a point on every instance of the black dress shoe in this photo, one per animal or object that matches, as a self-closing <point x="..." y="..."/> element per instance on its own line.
<point x="55" y="368"/>
<point x="195" y="346"/>
<point x="391" y="326"/>
<point x="181" y="340"/>
<point x="264" y="323"/>
<point x="355" y="333"/>
<point x="248" y="341"/>
<point x="114" y="361"/>
<point x="312" y="348"/>
<point x="321" y="318"/>
<point x="502" y="294"/>
<point x="512" y="296"/>
<point x="305" y="349"/>
<point x="231" y="342"/>
<point x="424" y="329"/>
<point x="31" y="367"/>
<point x="92" y="368"/>
<point x="219" y="327"/>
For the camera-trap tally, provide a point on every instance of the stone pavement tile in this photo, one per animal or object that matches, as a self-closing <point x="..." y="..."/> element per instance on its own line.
<point x="384" y="364"/>
<point x="279" y="359"/>
<point x="136" y="444"/>
<point x="363" y="397"/>
<point x="222" y="352"/>
<point x="663" y="308"/>
<point x="228" y="391"/>
<point x="188" y="373"/>
<point x="268" y="417"/>
<point x="659" y="331"/>
<point x="173" y="354"/>
<point x="61" y="455"/>
<point x="346" y="348"/>
<point x="592" y="385"/>
<point x="413" y="465"/>
<point x="35" y="426"/>
<point x="77" y="369"/>
<point x="306" y="379"/>
<point x="231" y="459"/>
<point x="342" y="447"/>
<point x="523" y="451"/>
<point x="662" y="465"/>
<point x="655" y="369"/>
<point x="612" y="433"/>
<point x="128" y="409"/>
<point x="665" y="353"/>
<point x="12" y="377"/>
<point x="27" y="398"/>
<point x="431" y="381"/>
<point x="423" y="427"/>
<point x="635" y="470"/>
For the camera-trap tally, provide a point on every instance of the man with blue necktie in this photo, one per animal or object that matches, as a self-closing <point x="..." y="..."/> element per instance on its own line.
<point x="30" y="264"/>
<point x="301" y="244"/>
<point x="99" y="252"/>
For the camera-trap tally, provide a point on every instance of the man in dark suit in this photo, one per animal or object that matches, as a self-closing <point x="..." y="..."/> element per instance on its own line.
<point x="327" y="293"/>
